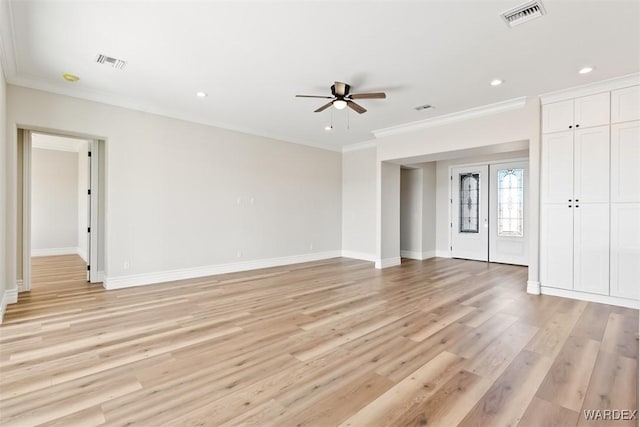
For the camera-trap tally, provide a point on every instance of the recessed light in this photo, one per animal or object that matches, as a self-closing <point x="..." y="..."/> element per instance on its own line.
<point x="70" y="77"/>
<point x="201" y="94"/>
<point x="585" y="70"/>
<point x="328" y="127"/>
<point x="496" y="82"/>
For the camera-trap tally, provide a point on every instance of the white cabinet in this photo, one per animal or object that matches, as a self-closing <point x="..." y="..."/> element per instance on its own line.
<point x="557" y="167"/>
<point x="625" y="250"/>
<point x="625" y="162"/>
<point x="591" y="247"/>
<point x="556" y="245"/>
<point x="591" y="165"/>
<point x="587" y="111"/>
<point x="625" y="104"/>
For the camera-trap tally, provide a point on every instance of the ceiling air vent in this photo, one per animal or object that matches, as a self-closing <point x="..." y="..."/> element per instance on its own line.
<point x="423" y="107"/>
<point x="114" y="62"/>
<point x="523" y="13"/>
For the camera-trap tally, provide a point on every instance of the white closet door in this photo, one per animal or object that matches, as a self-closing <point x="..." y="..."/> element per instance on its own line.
<point x="591" y="165"/>
<point x="508" y="216"/>
<point x="557" y="167"/>
<point x="625" y="250"/>
<point x="591" y="248"/>
<point x="470" y="213"/>
<point x="625" y="162"/>
<point x="591" y="110"/>
<point x="557" y="116"/>
<point x="556" y="245"/>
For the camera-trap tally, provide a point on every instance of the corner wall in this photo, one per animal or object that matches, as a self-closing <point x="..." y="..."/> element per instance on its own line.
<point x="5" y="298"/>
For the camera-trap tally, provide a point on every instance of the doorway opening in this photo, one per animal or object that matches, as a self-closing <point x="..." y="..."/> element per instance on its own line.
<point x="60" y="211"/>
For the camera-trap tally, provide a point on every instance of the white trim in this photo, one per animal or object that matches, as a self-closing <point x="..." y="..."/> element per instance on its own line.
<point x="533" y="287"/>
<point x="359" y="146"/>
<point x="388" y="262"/>
<point x="211" y="270"/>
<point x="443" y="254"/>
<point x="359" y="255"/>
<point x="584" y="296"/>
<point x="26" y="210"/>
<point x="417" y="255"/>
<point x="9" y="296"/>
<point x="472" y="113"/>
<point x="20" y="286"/>
<point x="54" y="251"/>
<point x="81" y="253"/>
<point x="591" y="88"/>
<point x="68" y="146"/>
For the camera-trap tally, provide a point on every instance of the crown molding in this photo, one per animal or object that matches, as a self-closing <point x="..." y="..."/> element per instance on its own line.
<point x="591" y="88"/>
<point x="359" y="146"/>
<point x="485" y="110"/>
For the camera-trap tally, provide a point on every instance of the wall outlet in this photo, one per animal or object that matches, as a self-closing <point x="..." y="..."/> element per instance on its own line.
<point x="126" y="265"/>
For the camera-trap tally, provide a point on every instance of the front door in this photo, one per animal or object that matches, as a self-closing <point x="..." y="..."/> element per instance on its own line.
<point x="470" y="213"/>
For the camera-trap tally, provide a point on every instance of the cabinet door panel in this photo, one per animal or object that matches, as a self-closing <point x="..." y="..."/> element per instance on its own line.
<point x="591" y="165"/>
<point x="625" y="250"/>
<point x="556" y="246"/>
<point x="591" y="248"/>
<point x="557" y="116"/>
<point x="625" y="162"/>
<point x="592" y="110"/>
<point x="625" y="104"/>
<point x="557" y="167"/>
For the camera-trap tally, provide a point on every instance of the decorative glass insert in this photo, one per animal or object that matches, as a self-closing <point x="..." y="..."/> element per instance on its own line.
<point x="469" y="202"/>
<point x="511" y="202"/>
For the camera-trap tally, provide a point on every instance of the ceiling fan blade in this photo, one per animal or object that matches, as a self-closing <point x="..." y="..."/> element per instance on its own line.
<point x="324" y="107"/>
<point x="314" y="96"/>
<point x="376" y="95"/>
<point x="356" y="107"/>
<point x="340" y="89"/>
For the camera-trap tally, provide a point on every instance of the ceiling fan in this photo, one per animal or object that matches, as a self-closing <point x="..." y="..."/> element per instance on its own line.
<point x="343" y="98"/>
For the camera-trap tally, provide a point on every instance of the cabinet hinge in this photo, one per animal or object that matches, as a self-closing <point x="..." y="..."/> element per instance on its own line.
<point x="89" y="153"/>
<point x="89" y="191"/>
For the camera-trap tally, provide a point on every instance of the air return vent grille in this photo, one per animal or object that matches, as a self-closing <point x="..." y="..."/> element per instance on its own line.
<point x="523" y="13"/>
<point x="114" y="62"/>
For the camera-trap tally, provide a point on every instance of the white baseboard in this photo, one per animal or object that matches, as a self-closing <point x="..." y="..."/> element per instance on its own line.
<point x="54" y="251"/>
<point x="82" y="253"/>
<point x="443" y="254"/>
<point x="602" y="299"/>
<point x="417" y="255"/>
<point x="120" y="282"/>
<point x="359" y="255"/>
<point x="533" y="287"/>
<point x="388" y="262"/>
<point x="9" y="296"/>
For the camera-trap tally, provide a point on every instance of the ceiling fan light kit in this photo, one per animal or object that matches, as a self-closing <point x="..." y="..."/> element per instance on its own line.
<point x="342" y="98"/>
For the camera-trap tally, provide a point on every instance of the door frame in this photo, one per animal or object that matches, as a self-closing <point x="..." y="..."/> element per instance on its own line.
<point x="450" y="193"/>
<point x="98" y="205"/>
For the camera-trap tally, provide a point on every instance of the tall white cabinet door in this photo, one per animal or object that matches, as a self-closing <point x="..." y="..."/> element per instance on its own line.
<point x="625" y="250"/>
<point x="557" y="167"/>
<point x="625" y="162"/>
<point x="592" y="110"/>
<point x="625" y="104"/>
<point x="591" y="248"/>
<point x="556" y="246"/>
<point x="557" y="117"/>
<point x="591" y="165"/>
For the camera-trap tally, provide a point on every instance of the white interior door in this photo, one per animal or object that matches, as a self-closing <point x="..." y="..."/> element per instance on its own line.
<point x="508" y="222"/>
<point x="470" y="213"/>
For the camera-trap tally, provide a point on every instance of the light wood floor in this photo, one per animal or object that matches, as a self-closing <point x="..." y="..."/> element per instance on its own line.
<point x="439" y="342"/>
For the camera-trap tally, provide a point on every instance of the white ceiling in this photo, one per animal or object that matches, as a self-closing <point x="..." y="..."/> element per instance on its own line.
<point x="252" y="58"/>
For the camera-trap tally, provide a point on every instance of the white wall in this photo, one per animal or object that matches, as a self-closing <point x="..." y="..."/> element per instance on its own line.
<point x="428" y="209"/>
<point x="388" y="218"/>
<point x="359" y="204"/>
<point x="83" y="205"/>
<point x="54" y="202"/>
<point x="442" y="222"/>
<point x="183" y="196"/>
<point x="411" y="213"/>
<point x="3" y="193"/>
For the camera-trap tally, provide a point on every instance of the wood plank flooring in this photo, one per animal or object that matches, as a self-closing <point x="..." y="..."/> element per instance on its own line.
<point x="439" y="342"/>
